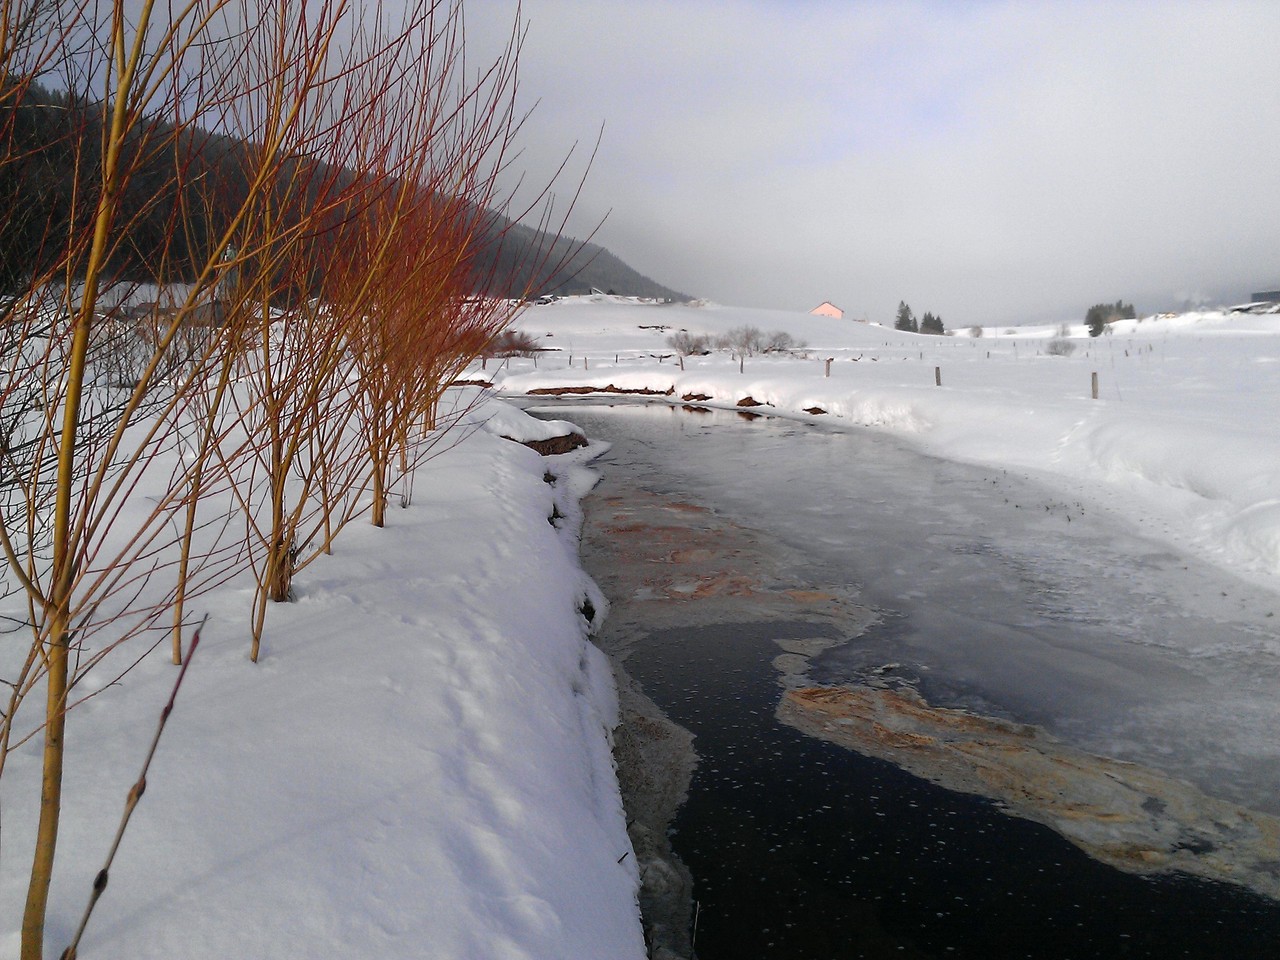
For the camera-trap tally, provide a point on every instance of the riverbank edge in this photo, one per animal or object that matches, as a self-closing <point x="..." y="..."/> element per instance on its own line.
<point x="653" y="757"/>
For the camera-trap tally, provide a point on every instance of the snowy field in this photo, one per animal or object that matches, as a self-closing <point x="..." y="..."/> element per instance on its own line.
<point x="419" y="766"/>
<point x="1183" y="437"/>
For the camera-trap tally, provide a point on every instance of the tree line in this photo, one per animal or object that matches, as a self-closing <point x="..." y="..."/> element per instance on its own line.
<point x="1099" y="315"/>
<point x="906" y="320"/>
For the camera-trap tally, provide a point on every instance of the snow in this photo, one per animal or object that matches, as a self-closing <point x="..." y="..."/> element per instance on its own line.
<point x="420" y="766"/>
<point x="1183" y="438"/>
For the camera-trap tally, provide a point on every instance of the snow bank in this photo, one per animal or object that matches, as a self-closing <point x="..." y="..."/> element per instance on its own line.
<point x="418" y="767"/>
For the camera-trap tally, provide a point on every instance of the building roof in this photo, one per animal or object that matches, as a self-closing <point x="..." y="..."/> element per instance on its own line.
<point x="819" y="309"/>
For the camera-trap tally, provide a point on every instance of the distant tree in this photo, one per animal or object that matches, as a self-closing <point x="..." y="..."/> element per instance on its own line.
<point x="688" y="343"/>
<point x="742" y="341"/>
<point x="779" y="341"/>
<point x="510" y="343"/>
<point x="931" y="324"/>
<point x="906" y="319"/>
<point x="1060" y="346"/>
<point x="975" y="332"/>
<point x="1100" y="314"/>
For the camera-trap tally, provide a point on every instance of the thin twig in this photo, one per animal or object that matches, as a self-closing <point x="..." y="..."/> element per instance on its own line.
<point x="135" y="794"/>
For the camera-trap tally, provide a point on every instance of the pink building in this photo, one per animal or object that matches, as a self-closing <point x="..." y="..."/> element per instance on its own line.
<point x="827" y="309"/>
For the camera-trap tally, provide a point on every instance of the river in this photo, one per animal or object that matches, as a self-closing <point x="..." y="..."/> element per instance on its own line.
<point x="845" y="573"/>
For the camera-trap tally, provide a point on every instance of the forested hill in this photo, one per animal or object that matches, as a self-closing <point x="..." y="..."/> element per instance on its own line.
<point x="49" y="181"/>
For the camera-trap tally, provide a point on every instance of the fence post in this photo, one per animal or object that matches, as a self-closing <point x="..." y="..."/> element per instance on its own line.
<point x="681" y="361"/>
<point x="1095" y="385"/>
<point x="827" y="372"/>
<point x="937" y="376"/>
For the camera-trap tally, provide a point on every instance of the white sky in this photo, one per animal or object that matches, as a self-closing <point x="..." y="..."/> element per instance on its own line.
<point x="990" y="162"/>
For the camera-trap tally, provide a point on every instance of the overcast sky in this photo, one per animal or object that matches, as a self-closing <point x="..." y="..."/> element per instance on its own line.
<point x="990" y="162"/>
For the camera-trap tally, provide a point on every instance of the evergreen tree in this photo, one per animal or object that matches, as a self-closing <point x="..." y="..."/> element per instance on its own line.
<point x="931" y="324"/>
<point x="906" y="319"/>
<point x="1100" y="314"/>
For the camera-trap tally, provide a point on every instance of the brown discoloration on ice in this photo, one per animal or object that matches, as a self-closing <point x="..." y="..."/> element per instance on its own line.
<point x="665" y="550"/>
<point x="1130" y="816"/>
<point x="810" y="596"/>
<point x="691" y="555"/>
<point x="681" y="507"/>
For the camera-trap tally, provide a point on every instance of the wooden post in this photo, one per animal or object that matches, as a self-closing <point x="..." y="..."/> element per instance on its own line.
<point x="584" y="363"/>
<point x="682" y="361"/>
<point x="484" y="363"/>
<point x="1095" y="385"/>
<point x="741" y="363"/>
<point x="937" y="376"/>
<point x="827" y="372"/>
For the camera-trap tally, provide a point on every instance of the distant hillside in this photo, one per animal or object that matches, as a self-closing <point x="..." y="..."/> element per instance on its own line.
<point x="57" y="138"/>
<point x="532" y="260"/>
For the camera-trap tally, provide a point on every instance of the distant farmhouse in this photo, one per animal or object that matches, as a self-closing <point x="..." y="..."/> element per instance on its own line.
<point x="828" y="309"/>
<point x="1266" y="296"/>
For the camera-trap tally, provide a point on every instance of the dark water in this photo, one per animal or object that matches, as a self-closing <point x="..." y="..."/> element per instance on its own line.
<point x="801" y="849"/>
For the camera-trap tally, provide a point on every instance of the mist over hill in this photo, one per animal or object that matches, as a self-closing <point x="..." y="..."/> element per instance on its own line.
<point x="525" y="259"/>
